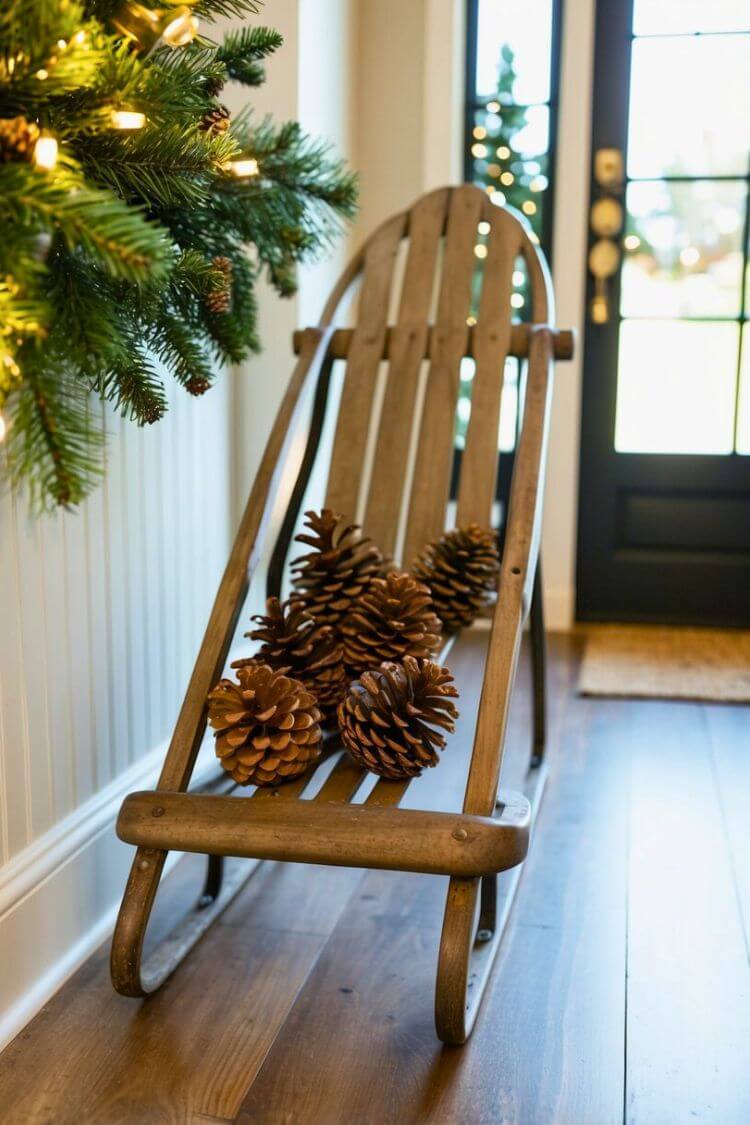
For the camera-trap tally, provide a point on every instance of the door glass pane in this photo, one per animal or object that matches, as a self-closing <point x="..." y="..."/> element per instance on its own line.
<point x="743" y="413"/>
<point x="670" y="16"/>
<point x="689" y="106"/>
<point x="683" y="249"/>
<point x="525" y="28"/>
<point x="676" y="387"/>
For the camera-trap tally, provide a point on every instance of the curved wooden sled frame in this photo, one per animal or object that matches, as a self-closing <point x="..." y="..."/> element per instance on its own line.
<point x="491" y="834"/>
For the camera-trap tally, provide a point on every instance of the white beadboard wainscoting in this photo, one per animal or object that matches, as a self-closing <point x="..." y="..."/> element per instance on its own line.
<point x="101" y="614"/>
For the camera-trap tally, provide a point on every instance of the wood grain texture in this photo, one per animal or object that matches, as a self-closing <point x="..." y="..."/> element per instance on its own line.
<point x="479" y="463"/>
<point x="358" y="393"/>
<point x="407" y="341"/>
<point x="518" y="346"/>
<point x="434" y="458"/>
<point x="688" y="1052"/>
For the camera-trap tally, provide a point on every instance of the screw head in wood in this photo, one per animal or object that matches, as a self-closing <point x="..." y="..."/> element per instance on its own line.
<point x="157" y="811"/>
<point x="460" y="834"/>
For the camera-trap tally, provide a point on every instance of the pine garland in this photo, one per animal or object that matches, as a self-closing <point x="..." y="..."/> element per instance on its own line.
<point x="124" y="253"/>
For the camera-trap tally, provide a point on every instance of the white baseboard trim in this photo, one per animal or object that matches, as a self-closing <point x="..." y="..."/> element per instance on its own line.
<point x="59" y="897"/>
<point x="559" y="609"/>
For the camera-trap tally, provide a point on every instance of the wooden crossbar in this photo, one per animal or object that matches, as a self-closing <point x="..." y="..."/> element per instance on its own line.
<point x="563" y="341"/>
<point x="320" y="832"/>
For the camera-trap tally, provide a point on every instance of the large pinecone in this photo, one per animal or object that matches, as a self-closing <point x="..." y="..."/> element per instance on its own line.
<point x="394" y="619"/>
<point x="389" y="716"/>
<point x="17" y="138"/>
<point x="292" y="643"/>
<point x="461" y="570"/>
<point x="338" y="570"/>
<point x="267" y="726"/>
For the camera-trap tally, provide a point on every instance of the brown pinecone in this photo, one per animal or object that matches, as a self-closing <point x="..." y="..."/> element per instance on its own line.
<point x="333" y="577"/>
<point x="17" y="138"/>
<point x="292" y="643"/>
<point x="461" y="570"/>
<point x="216" y="120"/>
<point x="219" y="299"/>
<point x="394" y="619"/>
<point x="389" y="716"/>
<point x="267" y="726"/>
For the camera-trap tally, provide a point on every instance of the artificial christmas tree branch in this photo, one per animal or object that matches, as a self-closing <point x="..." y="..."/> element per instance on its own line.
<point x="132" y="208"/>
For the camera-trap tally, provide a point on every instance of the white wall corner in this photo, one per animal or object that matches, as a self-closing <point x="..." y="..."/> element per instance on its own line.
<point x="443" y="92"/>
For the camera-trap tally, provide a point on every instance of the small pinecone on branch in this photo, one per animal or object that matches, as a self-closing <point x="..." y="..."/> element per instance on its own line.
<point x="394" y="619"/>
<point x="219" y="299"/>
<point x="389" y="717"/>
<point x="267" y="726"/>
<point x="339" y="569"/>
<point x="216" y="120"/>
<point x="461" y="570"/>
<point x="292" y="643"/>
<point x="17" y="138"/>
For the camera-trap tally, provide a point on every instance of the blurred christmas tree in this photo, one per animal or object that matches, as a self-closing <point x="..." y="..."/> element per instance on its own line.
<point x="128" y="202"/>
<point x="501" y="166"/>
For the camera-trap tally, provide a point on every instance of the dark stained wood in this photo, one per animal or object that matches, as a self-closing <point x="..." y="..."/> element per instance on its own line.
<point x="688" y="1050"/>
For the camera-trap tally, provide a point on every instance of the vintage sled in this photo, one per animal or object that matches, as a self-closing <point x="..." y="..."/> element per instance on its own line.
<point x="426" y="250"/>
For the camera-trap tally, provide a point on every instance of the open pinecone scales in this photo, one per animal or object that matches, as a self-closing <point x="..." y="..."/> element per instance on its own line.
<point x="334" y="575"/>
<point x="389" y="717"/>
<point x="267" y="726"/>
<point x="395" y="618"/>
<point x="461" y="570"/>
<point x="292" y="643"/>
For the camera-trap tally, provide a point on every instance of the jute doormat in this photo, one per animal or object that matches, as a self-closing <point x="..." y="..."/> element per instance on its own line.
<point x="650" y="661"/>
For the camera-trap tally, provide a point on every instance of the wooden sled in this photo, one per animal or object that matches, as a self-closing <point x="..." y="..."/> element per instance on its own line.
<point x="434" y="241"/>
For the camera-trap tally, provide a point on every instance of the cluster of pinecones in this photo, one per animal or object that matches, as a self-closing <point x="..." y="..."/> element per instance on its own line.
<point x="352" y="646"/>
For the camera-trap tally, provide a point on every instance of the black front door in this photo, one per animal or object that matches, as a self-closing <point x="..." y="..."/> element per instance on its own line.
<point x="664" y="516"/>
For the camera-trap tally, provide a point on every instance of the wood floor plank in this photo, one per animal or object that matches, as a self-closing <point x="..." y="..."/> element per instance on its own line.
<point x="688" y="1048"/>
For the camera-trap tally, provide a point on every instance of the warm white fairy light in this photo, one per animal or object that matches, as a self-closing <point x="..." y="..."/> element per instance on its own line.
<point x="493" y="107"/>
<point x="181" y="29"/>
<point x="528" y="207"/>
<point x="484" y="227"/>
<point x="518" y="278"/>
<point x="480" y="250"/>
<point x="45" y="153"/>
<point x="516" y="300"/>
<point x="127" y="119"/>
<point x="507" y="179"/>
<point x="480" y="132"/>
<point x="632" y="242"/>
<point x="503" y="152"/>
<point x="243" y="168"/>
<point x="3" y="428"/>
<point x="479" y="150"/>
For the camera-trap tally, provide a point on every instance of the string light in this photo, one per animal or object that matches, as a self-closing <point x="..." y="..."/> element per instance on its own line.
<point x="45" y="153"/>
<point x="518" y="278"/>
<point x="517" y="301"/>
<point x="181" y="29"/>
<point x="528" y="207"/>
<point x="480" y="132"/>
<point x="484" y="227"/>
<point x="480" y="250"/>
<point x="493" y="107"/>
<point x="479" y="150"/>
<point x="503" y="152"/>
<point x="243" y="168"/>
<point x="632" y="242"/>
<point x="539" y="183"/>
<point x="3" y="428"/>
<point x="127" y="119"/>
<point x="507" y="179"/>
<point x="41" y="74"/>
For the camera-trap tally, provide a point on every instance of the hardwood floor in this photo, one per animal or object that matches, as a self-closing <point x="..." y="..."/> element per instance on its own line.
<point x="621" y="993"/>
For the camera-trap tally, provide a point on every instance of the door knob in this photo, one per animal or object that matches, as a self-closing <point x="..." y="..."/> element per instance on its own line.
<point x="606" y="219"/>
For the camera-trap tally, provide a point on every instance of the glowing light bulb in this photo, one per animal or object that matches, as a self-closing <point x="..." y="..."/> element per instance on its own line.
<point x="181" y="29"/>
<point x="480" y="250"/>
<point x="690" y="256"/>
<point x="41" y="74"/>
<point x="479" y="150"/>
<point x="493" y="107"/>
<point x="127" y="119"/>
<point x="632" y="242"/>
<point x="243" y="168"/>
<point x="480" y="132"/>
<point x="484" y="227"/>
<point x="3" y="428"/>
<point x="503" y="152"/>
<point x="518" y="278"/>
<point x="516" y="300"/>
<point x="507" y="179"/>
<point x="528" y="207"/>
<point x="471" y="321"/>
<point x="45" y="153"/>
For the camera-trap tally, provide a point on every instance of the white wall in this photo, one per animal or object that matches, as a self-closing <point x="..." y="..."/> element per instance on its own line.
<point x="101" y="614"/>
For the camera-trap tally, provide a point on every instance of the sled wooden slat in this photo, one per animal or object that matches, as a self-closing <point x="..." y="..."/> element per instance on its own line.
<point x="332" y="826"/>
<point x="406" y="353"/>
<point x="432" y="469"/>
<point x="362" y="366"/>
